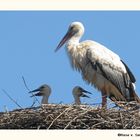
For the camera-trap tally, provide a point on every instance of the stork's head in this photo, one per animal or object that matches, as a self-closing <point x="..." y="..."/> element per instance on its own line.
<point x="76" y="30"/>
<point x="43" y="90"/>
<point x="80" y="92"/>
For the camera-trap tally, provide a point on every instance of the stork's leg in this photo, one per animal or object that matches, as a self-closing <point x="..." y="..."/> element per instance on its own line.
<point x="104" y="100"/>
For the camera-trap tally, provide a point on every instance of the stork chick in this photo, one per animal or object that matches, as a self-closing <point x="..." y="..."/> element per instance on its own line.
<point x="79" y="92"/>
<point x="44" y="91"/>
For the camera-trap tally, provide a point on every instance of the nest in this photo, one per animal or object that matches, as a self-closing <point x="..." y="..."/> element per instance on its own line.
<point x="60" y="116"/>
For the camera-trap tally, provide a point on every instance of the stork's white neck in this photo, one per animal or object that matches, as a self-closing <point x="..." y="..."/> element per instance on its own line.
<point x="74" y="41"/>
<point x="77" y="100"/>
<point x="45" y="99"/>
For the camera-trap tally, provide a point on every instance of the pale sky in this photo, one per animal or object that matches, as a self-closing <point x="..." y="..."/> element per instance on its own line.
<point x="28" y="40"/>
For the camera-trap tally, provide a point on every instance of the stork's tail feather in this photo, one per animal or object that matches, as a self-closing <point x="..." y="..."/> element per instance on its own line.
<point x="133" y="94"/>
<point x="136" y="98"/>
<point x="132" y="102"/>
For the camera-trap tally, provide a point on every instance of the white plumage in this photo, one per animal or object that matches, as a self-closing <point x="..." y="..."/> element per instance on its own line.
<point x="99" y="66"/>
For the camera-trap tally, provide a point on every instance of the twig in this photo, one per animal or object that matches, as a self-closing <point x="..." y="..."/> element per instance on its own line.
<point x="121" y="119"/>
<point x="126" y="125"/>
<point x="35" y="99"/>
<point x="58" y="116"/>
<point x="25" y="84"/>
<point x="76" y="118"/>
<point x="11" y="98"/>
<point x="98" y="124"/>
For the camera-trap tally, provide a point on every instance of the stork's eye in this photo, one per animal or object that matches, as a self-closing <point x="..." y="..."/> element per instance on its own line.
<point x="80" y="89"/>
<point x="72" y="27"/>
<point x="42" y="87"/>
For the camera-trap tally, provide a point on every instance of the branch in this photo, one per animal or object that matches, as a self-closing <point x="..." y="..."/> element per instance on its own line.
<point x="25" y="84"/>
<point x="76" y="118"/>
<point x="59" y="116"/>
<point x="31" y="93"/>
<point x="11" y="98"/>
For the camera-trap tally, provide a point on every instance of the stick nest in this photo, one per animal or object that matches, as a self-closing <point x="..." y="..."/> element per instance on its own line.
<point x="60" y="116"/>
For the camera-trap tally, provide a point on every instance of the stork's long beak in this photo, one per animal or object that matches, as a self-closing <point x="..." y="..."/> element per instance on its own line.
<point x="37" y="94"/>
<point x="84" y="95"/>
<point x="68" y="35"/>
<point x="38" y="89"/>
<point x="85" y="91"/>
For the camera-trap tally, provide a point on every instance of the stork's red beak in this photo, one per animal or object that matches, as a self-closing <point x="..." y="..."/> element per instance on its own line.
<point x="68" y="35"/>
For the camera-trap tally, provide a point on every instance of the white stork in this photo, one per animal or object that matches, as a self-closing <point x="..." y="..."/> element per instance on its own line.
<point x="99" y="66"/>
<point x="79" y="92"/>
<point x="44" y="91"/>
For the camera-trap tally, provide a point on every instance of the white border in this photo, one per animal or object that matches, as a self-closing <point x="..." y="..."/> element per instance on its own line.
<point x="69" y="4"/>
<point x="70" y="134"/>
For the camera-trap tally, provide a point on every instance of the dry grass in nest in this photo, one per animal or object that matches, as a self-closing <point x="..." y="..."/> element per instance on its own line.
<point x="58" y="116"/>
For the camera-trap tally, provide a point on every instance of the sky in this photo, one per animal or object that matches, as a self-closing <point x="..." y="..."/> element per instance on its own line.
<point x="28" y="40"/>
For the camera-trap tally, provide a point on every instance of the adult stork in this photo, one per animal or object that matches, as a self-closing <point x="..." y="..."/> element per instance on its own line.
<point x="44" y="91"/>
<point x="79" y="92"/>
<point x="99" y="66"/>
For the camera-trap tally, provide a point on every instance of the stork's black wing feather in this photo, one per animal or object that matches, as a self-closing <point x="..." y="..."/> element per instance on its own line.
<point x="114" y="76"/>
<point x="132" y="77"/>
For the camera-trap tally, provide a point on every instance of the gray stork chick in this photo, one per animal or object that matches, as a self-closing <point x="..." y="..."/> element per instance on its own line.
<point x="79" y="92"/>
<point x="44" y="91"/>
